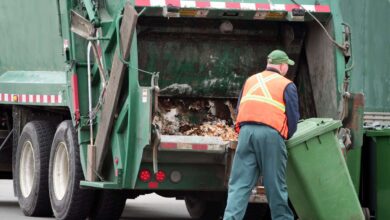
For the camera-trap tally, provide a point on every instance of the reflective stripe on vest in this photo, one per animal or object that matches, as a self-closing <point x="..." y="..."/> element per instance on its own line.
<point x="263" y="101"/>
<point x="266" y="97"/>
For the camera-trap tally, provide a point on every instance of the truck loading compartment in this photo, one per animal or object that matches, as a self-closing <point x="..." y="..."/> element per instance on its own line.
<point x="199" y="60"/>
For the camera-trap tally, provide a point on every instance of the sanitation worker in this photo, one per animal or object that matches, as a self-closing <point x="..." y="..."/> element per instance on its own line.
<point x="267" y="115"/>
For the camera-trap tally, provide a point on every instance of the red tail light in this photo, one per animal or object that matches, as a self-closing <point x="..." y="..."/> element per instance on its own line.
<point x="160" y="176"/>
<point x="145" y="175"/>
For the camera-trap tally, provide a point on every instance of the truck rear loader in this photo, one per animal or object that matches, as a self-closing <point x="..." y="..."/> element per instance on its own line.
<point x="101" y="101"/>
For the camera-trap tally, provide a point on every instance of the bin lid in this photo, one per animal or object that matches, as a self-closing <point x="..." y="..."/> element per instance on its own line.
<point x="378" y="132"/>
<point x="310" y="128"/>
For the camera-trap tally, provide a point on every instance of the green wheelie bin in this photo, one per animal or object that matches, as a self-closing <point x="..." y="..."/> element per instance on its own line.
<point x="318" y="181"/>
<point x="382" y="166"/>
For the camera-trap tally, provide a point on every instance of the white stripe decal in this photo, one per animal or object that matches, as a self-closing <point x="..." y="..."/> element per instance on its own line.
<point x="52" y="99"/>
<point x="278" y="7"/>
<point x="6" y="97"/>
<point x="38" y="98"/>
<point x="188" y="4"/>
<point x="184" y="146"/>
<point x="157" y="3"/>
<point x="310" y="8"/>
<point x="45" y="98"/>
<point x="24" y="98"/>
<point x="1" y="97"/>
<point x="30" y="98"/>
<point x="217" y="4"/>
<point x="59" y="98"/>
<point x="248" y="6"/>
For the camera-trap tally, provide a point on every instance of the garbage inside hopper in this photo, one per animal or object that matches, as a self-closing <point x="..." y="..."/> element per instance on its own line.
<point x="217" y="129"/>
<point x="196" y="118"/>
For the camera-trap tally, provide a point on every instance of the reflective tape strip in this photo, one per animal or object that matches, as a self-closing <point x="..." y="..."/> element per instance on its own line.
<point x="188" y="4"/>
<point x="220" y="5"/>
<point x="322" y="8"/>
<point x="44" y="98"/>
<point x="248" y="6"/>
<point x="24" y="98"/>
<point x="173" y="3"/>
<point x="263" y="99"/>
<point x="53" y="99"/>
<point x="234" y="5"/>
<point x="278" y="7"/>
<point x="202" y="4"/>
<point x="263" y="7"/>
<point x="158" y="3"/>
<point x="271" y="77"/>
<point x="263" y="86"/>
<point x="228" y="5"/>
<point x="290" y="7"/>
<point x="191" y="147"/>
<point x="30" y="98"/>
<point x="266" y="79"/>
<point x="6" y="98"/>
<point x="310" y="8"/>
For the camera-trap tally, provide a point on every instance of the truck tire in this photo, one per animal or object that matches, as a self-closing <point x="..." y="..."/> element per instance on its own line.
<point x="32" y="168"/>
<point x="109" y="205"/>
<point x="204" y="210"/>
<point x="68" y="200"/>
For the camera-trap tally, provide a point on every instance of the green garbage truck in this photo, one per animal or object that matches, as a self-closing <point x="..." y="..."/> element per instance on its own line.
<point x="101" y="101"/>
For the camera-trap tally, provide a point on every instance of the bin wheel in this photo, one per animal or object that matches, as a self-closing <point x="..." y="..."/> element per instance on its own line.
<point x="31" y="168"/>
<point x="108" y="205"/>
<point x="204" y="210"/>
<point x="67" y="199"/>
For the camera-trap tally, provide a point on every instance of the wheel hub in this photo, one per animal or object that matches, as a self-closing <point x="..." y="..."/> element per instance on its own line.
<point x="27" y="169"/>
<point x="61" y="171"/>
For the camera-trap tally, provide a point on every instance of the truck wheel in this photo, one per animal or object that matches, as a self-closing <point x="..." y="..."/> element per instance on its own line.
<point x="68" y="200"/>
<point x="108" y="205"/>
<point x="200" y="209"/>
<point x="32" y="167"/>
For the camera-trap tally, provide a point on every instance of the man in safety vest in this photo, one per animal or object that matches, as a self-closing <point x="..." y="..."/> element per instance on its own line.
<point x="268" y="114"/>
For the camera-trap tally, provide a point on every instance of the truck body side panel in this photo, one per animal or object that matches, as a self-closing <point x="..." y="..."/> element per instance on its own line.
<point x="30" y="36"/>
<point x="371" y="49"/>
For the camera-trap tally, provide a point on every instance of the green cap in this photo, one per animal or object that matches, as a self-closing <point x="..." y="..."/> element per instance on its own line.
<point x="279" y="57"/>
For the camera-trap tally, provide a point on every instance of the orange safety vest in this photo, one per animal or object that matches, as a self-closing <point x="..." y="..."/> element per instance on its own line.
<point x="262" y="101"/>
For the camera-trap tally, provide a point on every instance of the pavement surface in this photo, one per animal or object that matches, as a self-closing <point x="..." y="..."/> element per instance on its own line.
<point x="148" y="207"/>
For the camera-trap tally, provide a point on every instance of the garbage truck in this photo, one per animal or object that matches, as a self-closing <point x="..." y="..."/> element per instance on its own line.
<point x="102" y="101"/>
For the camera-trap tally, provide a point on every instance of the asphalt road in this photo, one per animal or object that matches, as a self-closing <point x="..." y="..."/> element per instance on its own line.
<point x="148" y="207"/>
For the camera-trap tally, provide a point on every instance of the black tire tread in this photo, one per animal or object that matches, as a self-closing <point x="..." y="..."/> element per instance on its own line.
<point x="44" y="131"/>
<point x="81" y="198"/>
